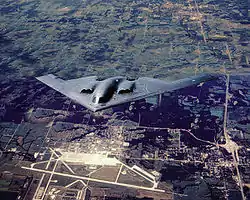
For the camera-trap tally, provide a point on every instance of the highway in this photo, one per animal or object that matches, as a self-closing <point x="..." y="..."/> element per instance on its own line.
<point x="230" y="145"/>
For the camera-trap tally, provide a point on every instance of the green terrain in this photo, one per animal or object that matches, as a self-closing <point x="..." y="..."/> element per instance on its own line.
<point x="162" y="39"/>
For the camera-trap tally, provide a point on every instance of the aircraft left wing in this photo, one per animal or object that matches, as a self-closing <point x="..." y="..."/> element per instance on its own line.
<point x="72" y="88"/>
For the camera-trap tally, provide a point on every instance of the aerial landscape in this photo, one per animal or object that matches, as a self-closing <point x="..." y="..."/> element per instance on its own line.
<point x="185" y="143"/>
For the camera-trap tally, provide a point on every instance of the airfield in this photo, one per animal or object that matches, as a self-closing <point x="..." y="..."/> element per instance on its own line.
<point x="122" y="153"/>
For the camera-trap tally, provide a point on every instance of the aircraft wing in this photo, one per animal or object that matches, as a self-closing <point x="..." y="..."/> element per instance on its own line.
<point x="72" y="88"/>
<point x="146" y="87"/>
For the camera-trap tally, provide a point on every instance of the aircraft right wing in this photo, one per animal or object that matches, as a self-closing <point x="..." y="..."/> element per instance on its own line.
<point x="146" y="87"/>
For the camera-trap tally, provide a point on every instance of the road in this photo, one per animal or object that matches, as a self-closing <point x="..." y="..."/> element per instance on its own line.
<point x="230" y="145"/>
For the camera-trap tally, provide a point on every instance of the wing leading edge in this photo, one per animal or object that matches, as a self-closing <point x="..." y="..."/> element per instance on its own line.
<point x="72" y="88"/>
<point x="144" y="87"/>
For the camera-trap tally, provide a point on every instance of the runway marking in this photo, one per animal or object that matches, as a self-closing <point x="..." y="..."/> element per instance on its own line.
<point x="118" y="174"/>
<point x="62" y="161"/>
<point x="51" y="175"/>
<point x="41" y="180"/>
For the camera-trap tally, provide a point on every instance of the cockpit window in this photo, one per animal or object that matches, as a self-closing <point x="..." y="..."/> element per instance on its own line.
<point x="99" y="100"/>
<point x="102" y="100"/>
<point x="94" y="100"/>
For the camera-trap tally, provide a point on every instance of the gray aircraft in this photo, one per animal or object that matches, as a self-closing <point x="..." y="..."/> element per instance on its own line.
<point x="97" y="95"/>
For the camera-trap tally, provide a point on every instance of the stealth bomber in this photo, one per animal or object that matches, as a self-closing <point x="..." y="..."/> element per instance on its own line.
<point x="100" y="94"/>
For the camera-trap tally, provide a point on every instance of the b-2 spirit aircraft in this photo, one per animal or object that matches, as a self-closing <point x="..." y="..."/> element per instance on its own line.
<point x="97" y="95"/>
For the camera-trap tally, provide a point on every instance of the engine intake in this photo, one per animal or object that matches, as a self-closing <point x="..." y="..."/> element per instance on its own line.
<point x="126" y="87"/>
<point x="88" y="89"/>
